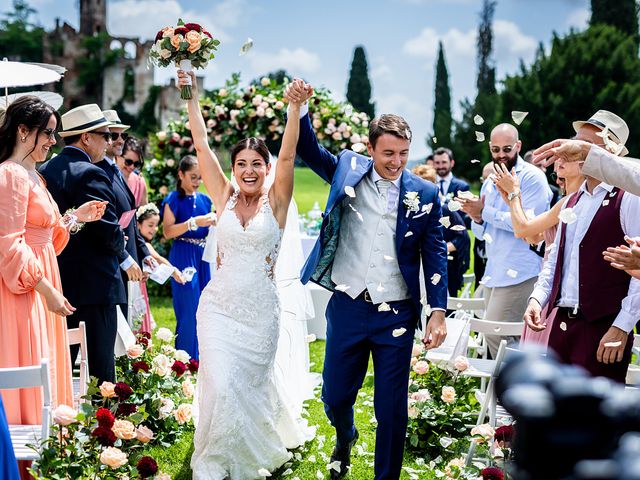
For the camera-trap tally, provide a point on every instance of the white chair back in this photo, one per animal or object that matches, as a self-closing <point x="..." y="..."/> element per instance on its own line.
<point x="501" y="329"/>
<point x="78" y="336"/>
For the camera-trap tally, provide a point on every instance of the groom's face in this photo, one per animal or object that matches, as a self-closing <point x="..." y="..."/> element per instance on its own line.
<point x="390" y="155"/>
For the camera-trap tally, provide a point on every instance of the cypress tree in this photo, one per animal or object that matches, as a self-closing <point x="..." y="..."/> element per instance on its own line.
<point x="359" y="86"/>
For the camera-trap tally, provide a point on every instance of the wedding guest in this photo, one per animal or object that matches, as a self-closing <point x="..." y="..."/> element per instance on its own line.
<point x="186" y="215"/>
<point x="458" y="242"/>
<point x="130" y="162"/>
<point x="447" y="183"/>
<point x="135" y="251"/>
<point x="596" y="306"/>
<point x="89" y="266"/>
<point x="32" y="232"/>
<point x="512" y="267"/>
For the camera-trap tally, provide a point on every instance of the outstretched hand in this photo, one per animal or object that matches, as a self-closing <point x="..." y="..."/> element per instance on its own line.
<point x="561" y="149"/>
<point x="298" y="92"/>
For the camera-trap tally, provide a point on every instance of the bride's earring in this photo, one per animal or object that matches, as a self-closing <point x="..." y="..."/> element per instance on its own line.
<point x="24" y="139"/>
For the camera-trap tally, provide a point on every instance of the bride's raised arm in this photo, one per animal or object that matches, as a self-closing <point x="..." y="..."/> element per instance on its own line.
<point x="282" y="188"/>
<point x="217" y="184"/>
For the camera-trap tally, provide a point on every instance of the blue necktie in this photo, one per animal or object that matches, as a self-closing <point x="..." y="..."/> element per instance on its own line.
<point x="442" y="187"/>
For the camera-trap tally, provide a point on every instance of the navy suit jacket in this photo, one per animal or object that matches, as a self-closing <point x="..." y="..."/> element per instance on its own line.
<point x="458" y="185"/>
<point x="89" y="266"/>
<point x="419" y="235"/>
<point x="125" y="201"/>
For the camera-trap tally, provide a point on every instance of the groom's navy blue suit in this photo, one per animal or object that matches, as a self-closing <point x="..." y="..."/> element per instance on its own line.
<point x="355" y="327"/>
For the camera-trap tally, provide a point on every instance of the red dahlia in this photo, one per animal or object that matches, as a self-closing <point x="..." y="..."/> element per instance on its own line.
<point x="105" y="417"/>
<point x="193" y="366"/>
<point x="147" y="467"/>
<point x="123" y="391"/>
<point x="492" y="473"/>
<point x="207" y="34"/>
<point x="179" y="368"/>
<point x="104" y="436"/>
<point x="504" y="434"/>
<point x="159" y="35"/>
<point x="180" y="31"/>
<point x="126" y="409"/>
<point x="143" y="341"/>
<point x="192" y="26"/>
<point x="141" y="365"/>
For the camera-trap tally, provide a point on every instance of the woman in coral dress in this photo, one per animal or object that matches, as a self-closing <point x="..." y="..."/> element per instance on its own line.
<point x="32" y="232"/>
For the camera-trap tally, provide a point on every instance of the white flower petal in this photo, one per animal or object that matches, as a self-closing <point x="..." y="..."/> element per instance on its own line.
<point x="478" y="120"/>
<point x="458" y="228"/>
<point x="435" y="278"/>
<point x="567" y="215"/>
<point x="445" y="221"/>
<point x="263" y="472"/>
<point x="350" y="191"/>
<point x="485" y="279"/>
<point x="395" y="311"/>
<point x="487" y="237"/>
<point x="466" y="195"/>
<point x="426" y="208"/>
<point x="246" y="46"/>
<point x="605" y="203"/>
<point x="563" y="326"/>
<point x="357" y="147"/>
<point x="408" y="234"/>
<point x="446" y="441"/>
<point x="342" y="287"/>
<point x="479" y="136"/>
<point x="613" y="344"/>
<point x="435" y="139"/>
<point x="512" y="273"/>
<point x="398" y="332"/>
<point x="475" y="160"/>
<point x="388" y="258"/>
<point x="354" y="162"/>
<point x="359" y="215"/>
<point x="319" y="475"/>
<point x="454" y="205"/>
<point x="380" y="288"/>
<point x="384" y="307"/>
<point x="311" y="338"/>
<point x="334" y="466"/>
<point x="518" y="117"/>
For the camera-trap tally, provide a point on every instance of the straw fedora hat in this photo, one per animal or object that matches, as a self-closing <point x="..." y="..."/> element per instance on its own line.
<point x="84" y="118"/>
<point x="604" y="119"/>
<point x="113" y="117"/>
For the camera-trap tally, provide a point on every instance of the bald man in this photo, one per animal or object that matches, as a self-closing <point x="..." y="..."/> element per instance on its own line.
<point x="512" y="267"/>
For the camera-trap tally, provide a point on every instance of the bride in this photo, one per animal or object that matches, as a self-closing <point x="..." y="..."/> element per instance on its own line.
<point x="244" y="426"/>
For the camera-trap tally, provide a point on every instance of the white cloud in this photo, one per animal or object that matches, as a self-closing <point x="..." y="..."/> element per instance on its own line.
<point x="380" y="70"/>
<point x="295" y="61"/>
<point x="511" y="45"/>
<point x="456" y="43"/>
<point x="579" y="18"/>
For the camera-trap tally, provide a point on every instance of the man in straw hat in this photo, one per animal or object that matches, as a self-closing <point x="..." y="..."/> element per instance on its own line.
<point x="596" y="305"/>
<point x="136" y="249"/>
<point x="89" y="266"/>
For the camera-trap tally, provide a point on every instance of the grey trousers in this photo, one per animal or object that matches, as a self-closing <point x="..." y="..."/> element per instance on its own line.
<point x="506" y="304"/>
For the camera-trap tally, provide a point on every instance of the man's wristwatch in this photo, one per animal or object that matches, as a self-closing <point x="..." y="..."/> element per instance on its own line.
<point x="512" y="195"/>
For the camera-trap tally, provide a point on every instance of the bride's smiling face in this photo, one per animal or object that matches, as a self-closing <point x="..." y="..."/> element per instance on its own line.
<point x="250" y="171"/>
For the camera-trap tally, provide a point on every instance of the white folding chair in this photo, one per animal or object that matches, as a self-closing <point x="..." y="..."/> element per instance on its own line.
<point x="468" y="280"/>
<point x="78" y="336"/>
<point x="473" y="306"/>
<point x="23" y="435"/>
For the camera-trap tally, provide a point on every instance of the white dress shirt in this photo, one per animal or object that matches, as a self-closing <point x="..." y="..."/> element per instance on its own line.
<point x="446" y="181"/>
<point x="585" y="210"/>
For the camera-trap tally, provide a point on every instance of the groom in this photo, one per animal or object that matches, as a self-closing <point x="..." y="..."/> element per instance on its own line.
<point x="379" y="224"/>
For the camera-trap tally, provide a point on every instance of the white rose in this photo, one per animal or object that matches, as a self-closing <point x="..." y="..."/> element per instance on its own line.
<point x="183" y="413"/>
<point x="166" y="409"/>
<point x="154" y="163"/>
<point x="171" y="162"/>
<point x="279" y="105"/>
<point x="164" y="334"/>
<point x="168" y="350"/>
<point x="64" y="415"/>
<point x="461" y="363"/>
<point x="124" y="429"/>
<point x="355" y="138"/>
<point x="113" y="457"/>
<point x="135" y="350"/>
<point x="181" y="356"/>
<point x="317" y="123"/>
<point x="187" y="388"/>
<point x="161" y="364"/>
<point x="448" y="394"/>
<point x="239" y="103"/>
<point x="260" y="111"/>
<point x="161" y="135"/>
<point x="211" y="123"/>
<point x="265" y="81"/>
<point x="223" y="92"/>
<point x="257" y="100"/>
<point x="144" y="434"/>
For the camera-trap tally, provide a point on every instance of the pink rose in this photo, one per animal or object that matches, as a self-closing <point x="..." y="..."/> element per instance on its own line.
<point x="113" y="457"/>
<point x="107" y="390"/>
<point x="421" y="395"/>
<point x="135" y="350"/>
<point x="485" y="431"/>
<point x="421" y="367"/>
<point x="461" y="363"/>
<point x="175" y="41"/>
<point x="65" y="415"/>
<point x="183" y="413"/>
<point x="417" y="350"/>
<point x="144" y="434"/>
<point x="448" y="394"/>
<point x="167" y="31"/>
<point x="124" y="429"/>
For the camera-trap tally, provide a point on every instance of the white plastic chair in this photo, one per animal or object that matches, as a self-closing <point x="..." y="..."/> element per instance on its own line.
<point x="23" y="435"/>
<point x="78" y="336"/>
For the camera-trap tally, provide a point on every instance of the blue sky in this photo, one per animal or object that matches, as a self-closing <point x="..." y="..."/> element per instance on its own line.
<point x="315" y="40"/>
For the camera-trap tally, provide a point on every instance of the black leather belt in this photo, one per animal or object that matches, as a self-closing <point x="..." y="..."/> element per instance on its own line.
<point x="570" y="312"/>
<point x="365" y="296"/>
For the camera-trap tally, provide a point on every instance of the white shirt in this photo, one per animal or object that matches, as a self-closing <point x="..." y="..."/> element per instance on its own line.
<point x="586" y="210"/>
<point x="447" y="181"/>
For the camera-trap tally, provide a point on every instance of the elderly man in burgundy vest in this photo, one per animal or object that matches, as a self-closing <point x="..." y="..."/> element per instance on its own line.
<point x="597" y="305"/>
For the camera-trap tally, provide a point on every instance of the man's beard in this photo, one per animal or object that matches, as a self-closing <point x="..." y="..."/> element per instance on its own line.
<point x="510" y="161"/>
<point x="443" y="172"/>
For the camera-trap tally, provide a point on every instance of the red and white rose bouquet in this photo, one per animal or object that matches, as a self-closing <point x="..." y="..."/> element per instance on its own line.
<point x="187" y="46"/>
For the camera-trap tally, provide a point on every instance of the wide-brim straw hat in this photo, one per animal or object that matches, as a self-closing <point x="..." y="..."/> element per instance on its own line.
<point x="604" y="119"/>
<point x="82" y="119"/>
<point x="113" y="117"/>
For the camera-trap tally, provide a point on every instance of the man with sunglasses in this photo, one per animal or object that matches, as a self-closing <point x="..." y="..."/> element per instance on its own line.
<point x="135" y="249"/>
<point x="512" y="267"/>
<point x="89" y="266"/>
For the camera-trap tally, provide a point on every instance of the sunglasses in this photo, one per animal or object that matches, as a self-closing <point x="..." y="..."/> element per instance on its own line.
<point x="114" y="136"/>
<point x="105" y="135"/>
<point x="505" y="149"/>
<point x="50" y="132"/>
<point x="136" y="163"/>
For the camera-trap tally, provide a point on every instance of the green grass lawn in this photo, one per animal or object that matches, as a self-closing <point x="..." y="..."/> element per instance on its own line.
<point x="314" y="456"/>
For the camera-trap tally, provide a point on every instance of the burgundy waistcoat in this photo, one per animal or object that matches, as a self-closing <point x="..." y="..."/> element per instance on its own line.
<point x="602" y="287"/>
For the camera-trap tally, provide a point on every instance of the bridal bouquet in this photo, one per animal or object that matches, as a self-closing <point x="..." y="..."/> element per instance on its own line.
<point x="187" y="46"/>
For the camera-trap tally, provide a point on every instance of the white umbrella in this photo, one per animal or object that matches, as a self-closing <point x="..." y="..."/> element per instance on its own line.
<point x="52" y="98"/>
<point x="56" y="68"/>
<point x="20" y="74"/>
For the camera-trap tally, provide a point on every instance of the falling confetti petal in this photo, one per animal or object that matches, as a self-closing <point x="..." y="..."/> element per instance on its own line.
<point x="388" y="258"/>
<point x="350" y="191"/>
<point x="246" y="46"/>
<point x="563" y="326"/>
<point x="408" y="234"/>
<point x="359" y="215"/>
<point x="458" y="228"/>
<point x="334" y="466"/>
<point x="445" y="221"/>
<point x="613" y="194"/>
<point x="475" y="160"/>
<point x="479" y="136"/>
<point x="478" y="120"/>
<point x="319" y="475"/>
<point x="398" y="332"/>
<point x="518" y="117"/>
<point x="454" y="205"/>
<point x="512" y="273"/>
<point x="446" y="441"/>
<point x="568" y="216"/>
<point x="358" y="147"/>
<point x="435" y="140"/>
<point x="435" y="278"/>
<point x="311" y="338"/>
<point x="384" y="307"/>
<point x="466" y="195"/>
<point x="354" y="162"/>
<point x="380" y="288"/>
<point x="487" y="237"/>
<point x="427" y="208"/>
<point x="613" y="344"/>
<point x="263" y="472"/>
<point x="603" y="133"/>
<point x="605" y="203"/>
<point x="395" y="311"/>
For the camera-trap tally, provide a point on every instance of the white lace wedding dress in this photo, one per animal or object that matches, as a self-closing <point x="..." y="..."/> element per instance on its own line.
<point x="243" y="424"/>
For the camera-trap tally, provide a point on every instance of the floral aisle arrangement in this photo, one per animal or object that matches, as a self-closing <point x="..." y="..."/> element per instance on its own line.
<point x="235" y="112"/>
<point x="187" y="46"/>
<point x="107" y="436"/>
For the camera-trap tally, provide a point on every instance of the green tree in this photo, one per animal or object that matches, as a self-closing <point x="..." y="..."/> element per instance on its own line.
<point x="584" y="72"/>
<point x="20" y="39"/>
<point x="622" y="14"/>
<point x="359" y="86"/>
<point x="442" y="105"/>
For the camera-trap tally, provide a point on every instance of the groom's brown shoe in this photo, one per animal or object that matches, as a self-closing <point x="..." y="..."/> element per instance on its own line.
<point x="343" y="456"/>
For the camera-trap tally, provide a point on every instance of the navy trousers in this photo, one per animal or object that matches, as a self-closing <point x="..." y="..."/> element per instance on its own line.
<point x="356" y="329"/>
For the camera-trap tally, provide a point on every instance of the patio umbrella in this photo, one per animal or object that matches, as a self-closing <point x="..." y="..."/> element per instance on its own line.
<point x="52" y="98"/>
<point x="21" y="74"/>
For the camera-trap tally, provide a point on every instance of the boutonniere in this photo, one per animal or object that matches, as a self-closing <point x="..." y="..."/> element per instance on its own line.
<point x="412" y="202"/>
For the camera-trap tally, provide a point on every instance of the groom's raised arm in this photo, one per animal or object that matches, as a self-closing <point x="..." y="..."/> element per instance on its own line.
<point x="434" y="257"/>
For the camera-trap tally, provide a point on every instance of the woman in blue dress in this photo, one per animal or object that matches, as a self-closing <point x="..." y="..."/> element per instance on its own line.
<point x="187" y="217"/>
<point x="8" y="464"/>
